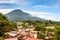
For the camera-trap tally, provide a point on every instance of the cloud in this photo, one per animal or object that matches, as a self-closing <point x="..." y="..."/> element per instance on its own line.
<point x="15" y="2"/>
<point x="7" y="1"/>
<point x="24" y="2"/>
<point x="54" y="4"/>
<point x="8" y="6"/>
<point x="41" y="6"/>
<point x="32" y="2"/>
<point x="4" y="4"/>
<point x="4" y="11"/>
<point x="44" y="15"/>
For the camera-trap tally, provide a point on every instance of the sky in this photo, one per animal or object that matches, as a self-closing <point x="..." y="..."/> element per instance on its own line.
<point x="46" y="9"/>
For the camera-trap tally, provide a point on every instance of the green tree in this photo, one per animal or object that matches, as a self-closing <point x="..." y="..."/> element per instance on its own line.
<point x="5" y="25"/>
<point x="57" y="32"/>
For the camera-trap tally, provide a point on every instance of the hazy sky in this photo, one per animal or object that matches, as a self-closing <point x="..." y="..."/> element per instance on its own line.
<point x="47" y="9"/>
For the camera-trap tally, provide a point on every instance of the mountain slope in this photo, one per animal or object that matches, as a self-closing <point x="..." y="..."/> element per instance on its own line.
<point x="19" y="15"/>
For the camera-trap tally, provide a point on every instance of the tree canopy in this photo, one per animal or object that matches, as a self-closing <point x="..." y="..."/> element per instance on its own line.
<point x="5" y="25"/>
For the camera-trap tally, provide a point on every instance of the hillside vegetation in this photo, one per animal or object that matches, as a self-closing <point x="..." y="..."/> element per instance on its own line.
<point x="6" y="26"/>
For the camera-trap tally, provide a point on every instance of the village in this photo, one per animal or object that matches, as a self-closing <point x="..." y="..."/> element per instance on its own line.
<point x="24" y="33"/>
<point x="28" y="30"/>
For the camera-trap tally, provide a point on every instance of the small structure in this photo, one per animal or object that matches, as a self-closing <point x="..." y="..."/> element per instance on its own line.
<point x="28" y="35"/>
<point x="52" y="27"/>
<point x="13" y="33"/>
<point x="27" y="32"/>
<point x="19" y="26"/>
<point x="19" y="23"/>
<point x="30" y="28"/>
<point x="50" y="30"/>
<point x="20" y="29"/>
<point x="34" y="34"/>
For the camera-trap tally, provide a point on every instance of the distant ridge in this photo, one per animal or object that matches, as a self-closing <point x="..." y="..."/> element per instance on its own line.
<point x="19" y="15"/>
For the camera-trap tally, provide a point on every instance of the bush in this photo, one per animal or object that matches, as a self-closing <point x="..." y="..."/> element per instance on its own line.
<point x="40" y="36"/>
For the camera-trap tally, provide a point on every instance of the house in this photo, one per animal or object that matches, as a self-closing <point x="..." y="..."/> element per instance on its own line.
<point x="49" y="32"/>
<point x="29" y="27"/>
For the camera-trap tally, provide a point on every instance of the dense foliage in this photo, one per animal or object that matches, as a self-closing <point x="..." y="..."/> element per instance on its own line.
<point x="5" y="25"/>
